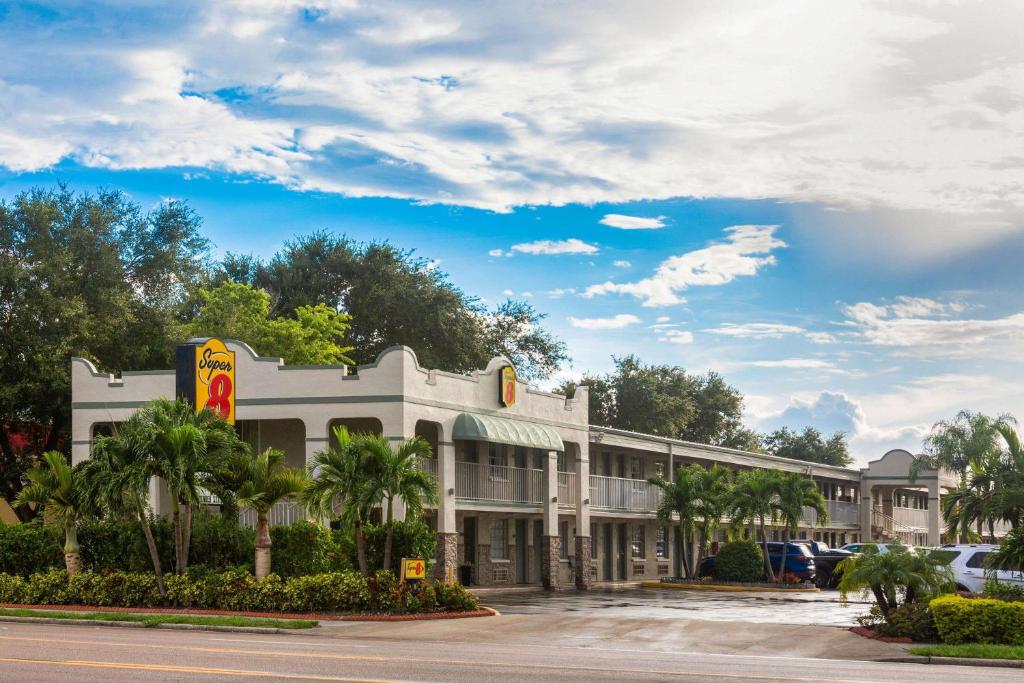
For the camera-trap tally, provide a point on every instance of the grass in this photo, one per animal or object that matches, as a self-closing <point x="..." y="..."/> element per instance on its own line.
<point x="971" y="651"/>
<point x="157" y="619"/>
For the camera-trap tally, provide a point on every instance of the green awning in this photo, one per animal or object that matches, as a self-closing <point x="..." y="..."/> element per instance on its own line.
<point x="503" y="430"/>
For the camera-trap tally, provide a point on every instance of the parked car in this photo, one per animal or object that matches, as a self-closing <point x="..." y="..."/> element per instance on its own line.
<point x="858" y="548"/>
<point x="825" y="561"/>
<point x="968" y="564"/>
<point x="799" y="560"/>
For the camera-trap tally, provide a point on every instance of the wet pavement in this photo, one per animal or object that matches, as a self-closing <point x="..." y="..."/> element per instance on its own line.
<point x="823" y="609"/>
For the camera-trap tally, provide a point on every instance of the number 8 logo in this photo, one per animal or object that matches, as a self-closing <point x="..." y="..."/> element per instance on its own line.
<point x="220" y="390"/>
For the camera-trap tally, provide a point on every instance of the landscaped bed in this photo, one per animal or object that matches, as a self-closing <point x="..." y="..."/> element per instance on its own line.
<point x="159" y="619"/>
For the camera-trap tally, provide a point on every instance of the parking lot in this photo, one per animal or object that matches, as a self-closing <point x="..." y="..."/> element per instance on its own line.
<point x="823" y="609"/>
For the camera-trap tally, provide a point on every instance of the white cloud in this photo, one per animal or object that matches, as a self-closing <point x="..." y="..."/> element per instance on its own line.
<point x="662" y="319"/>
<point x="569" y="246"/>
<point x="614" y="323"/>
<point x="746" y="250"/>
<point x="792" y="363"/>
<point x="507" y="292"/>
<point x="559" y="292"/>
<point x="676" y="337"/>
<point x="496" y="252"/>
<point x="622" y="264"/>
<point x="768" y="331"/>
<point x="617" y="220"/>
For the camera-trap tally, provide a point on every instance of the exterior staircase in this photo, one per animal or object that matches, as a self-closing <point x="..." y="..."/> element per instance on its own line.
<point x="884" y="528"/>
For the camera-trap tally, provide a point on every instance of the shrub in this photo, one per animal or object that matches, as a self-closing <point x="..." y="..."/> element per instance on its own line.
<point x="455" y="597"/>
<point x="412" y="538"/>
<point x="1001" y="590"/>
<point x="12" y="588"/>
<point x="219" y="543"/>
<point x="981" y="620"/>
<point x="739" y="561"/>
<point x="27" y="548"/>
<point x="304" y="548"/>
<point x="911" y="620"/>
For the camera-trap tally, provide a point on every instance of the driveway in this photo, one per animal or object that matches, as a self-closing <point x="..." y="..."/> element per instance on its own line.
<point x="819" y="609"/>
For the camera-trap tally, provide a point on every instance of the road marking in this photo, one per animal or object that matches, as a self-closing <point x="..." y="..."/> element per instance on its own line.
<point x="279" y="642"/>
<point x="169" y="668"/>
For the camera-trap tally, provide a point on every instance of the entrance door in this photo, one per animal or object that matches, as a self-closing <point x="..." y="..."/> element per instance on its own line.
<point x="469" y="536"/>
<point x="622" y="552"/>
<point x="608" y="556"/>
<point x="538" y="540"/>
<point x="522" y="562"/>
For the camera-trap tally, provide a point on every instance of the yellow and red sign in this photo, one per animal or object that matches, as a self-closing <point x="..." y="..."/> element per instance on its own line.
<point x="215" y="379"/>
<point x="507" y="386"/>
<point x="413" y="569"/>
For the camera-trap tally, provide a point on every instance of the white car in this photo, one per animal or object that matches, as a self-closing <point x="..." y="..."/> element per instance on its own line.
<point x="968" y="564"/>
<point x="858" y="548"/>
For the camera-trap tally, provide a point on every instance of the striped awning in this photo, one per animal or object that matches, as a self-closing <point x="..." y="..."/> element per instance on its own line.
<point x="503" y="430"/>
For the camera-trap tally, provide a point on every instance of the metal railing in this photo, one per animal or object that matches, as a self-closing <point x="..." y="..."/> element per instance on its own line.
<point x="429" y="465"/>
<point x="500" y="483"/>
<point x="839" y="512"/>
<point x="912" y="518"/>
<point x="567" y="489"/>
<point x="632" y="495"/>
<point x="284" y="513"/>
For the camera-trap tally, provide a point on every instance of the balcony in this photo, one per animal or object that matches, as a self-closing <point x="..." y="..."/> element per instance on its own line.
<point x="839" y="512"/>
<point x="917" y="519"/>
<point x="567" y="489"/>
<point x="499" y="483"/>
<point x="284" y="513"/>
<point x="627" y="495"/>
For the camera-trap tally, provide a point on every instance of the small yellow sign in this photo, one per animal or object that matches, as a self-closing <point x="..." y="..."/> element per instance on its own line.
<point x="413" y="569"/>
<point x="507" y="386"/>
<point x="215" y="379"/>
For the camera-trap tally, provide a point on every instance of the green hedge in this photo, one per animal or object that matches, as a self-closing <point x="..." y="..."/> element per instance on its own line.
<point x="978" y="620"/>
<point x="238" y="590"/>
<point x="306" y="548"/>
<point x="739" y="561"/>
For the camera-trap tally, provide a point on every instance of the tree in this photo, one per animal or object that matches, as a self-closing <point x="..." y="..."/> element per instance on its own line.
<point x="796" y="492"/>
<point x="81" y="275"/>
<point x="53" y="487"/>
<point x="955" y="444"/>
<point x="239" y="311"/>
<point x="894" y="575"/>
<point x="1008" y="485"/>
<point x="341" y="488"/>
<point x="714" y="488"/>
<point x="754" y="500"/>
<point x="809" y="446"/>
<point x="398" y="475"/>
<point x="395" y="297"/>
<point x="680" y="499"/>
<point x="265" y="481"/>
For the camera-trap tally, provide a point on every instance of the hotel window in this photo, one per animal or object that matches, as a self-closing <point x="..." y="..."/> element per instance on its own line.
<point x="563" y="540"/>
<point x="499" y="539"/>
<point x="498" y="460"/>
<point x="639" y="547"/>
<point x="659" y="468"/>
<point x="561" y="461"/>
<point x="661" y="543"/>
<point x="636" y="467"/>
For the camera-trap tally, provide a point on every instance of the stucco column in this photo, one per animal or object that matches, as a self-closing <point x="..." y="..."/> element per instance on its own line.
<point x="584" y="543"/>
<point x="934" y="513"/>
<point x="866" y="503"/>
<point x="317" y="437"/>
<point x="550" y="548"/>
<point x="446" y="561"/>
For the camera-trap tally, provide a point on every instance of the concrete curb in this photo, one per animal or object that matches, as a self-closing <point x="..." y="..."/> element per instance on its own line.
<point x="954" y="661"/>
<point x="135" y="624"/>
<point x="658" y="585"/>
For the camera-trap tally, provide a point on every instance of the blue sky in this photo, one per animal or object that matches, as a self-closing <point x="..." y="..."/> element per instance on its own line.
<point x="822" y="204"/>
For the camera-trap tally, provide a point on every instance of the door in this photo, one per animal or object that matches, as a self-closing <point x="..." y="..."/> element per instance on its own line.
<point x="623" y="550"/>
<point x="522" y="561"/>
<point x="469" y="534"/>
<point x="973" y="574"/>
<point x="609" y="552"/>
<point x="538" y="540"/>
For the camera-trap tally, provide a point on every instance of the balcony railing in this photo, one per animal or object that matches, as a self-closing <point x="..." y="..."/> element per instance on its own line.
<point x="567" y="489"/>
<point x="839" y="512"/>
<point x="284" y="513"/>
<point x="500" y="483"/>
<point x="429" y="465"/>
<point x="910" y="517"/>
<point x="631" y="495"/>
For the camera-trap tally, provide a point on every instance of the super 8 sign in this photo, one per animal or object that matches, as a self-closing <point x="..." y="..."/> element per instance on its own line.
<point x="205" y="376"/>
<point x="414" y="569"/>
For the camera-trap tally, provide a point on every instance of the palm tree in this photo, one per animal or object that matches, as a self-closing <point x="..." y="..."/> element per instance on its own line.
<point x="265" y="480"/>
<point x="714" y="489"/>
<point x="796" y="492"/>
<point x="398" y="474"/>
<point x="53" y="486"/>
<point x="116" y="477"/>
<point x="341" y="488"/>
<point x="754" y="499"/>
<point x="1008" y="488"/>
<point x="680" y="497"/>
<point x="894" y="573"/>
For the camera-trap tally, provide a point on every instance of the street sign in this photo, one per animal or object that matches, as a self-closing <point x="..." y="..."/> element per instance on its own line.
<point x="414" y="569"/>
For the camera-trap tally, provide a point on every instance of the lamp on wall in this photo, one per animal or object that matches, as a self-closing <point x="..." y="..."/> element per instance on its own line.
<point x="586" y="501"/>
<point x="451" y="492"/>
<point x="554" y="499"/>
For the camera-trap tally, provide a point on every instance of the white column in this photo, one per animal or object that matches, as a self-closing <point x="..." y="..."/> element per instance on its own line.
<point x="934" y="513"/>
<point x="551" y="494"/>
<point x="446" y="487"/>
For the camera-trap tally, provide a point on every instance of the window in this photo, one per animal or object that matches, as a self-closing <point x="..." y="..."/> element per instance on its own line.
<point x="563" y="540"/>
<point x="499" y="539"/>
<point x="659" y="468"/>
<point x="661" y="543"/>
<point x="639" y="545"/>
<point x="561" y="461"/>
<point x="636" y="467"/>
<point x="498" y="460"/>
<point x="977" y="560"/>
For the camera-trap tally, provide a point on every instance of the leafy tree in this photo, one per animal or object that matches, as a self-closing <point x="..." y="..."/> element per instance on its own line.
<point x="795" y="492"/>
<point x="53" y="486"/>
<point x="955" y="444"/>
<point x="314" y="336"/>
<point x="397" y="475"/>
<point x="1010" y="554"/>
<point x="809" y="446"/>
<point x="714" y="489"/>
<point x="265" y="480"/>
<point x="894" y="576"/>
<point x="754" y="500"/>
<point x="395" y="297"/>
<point x="83" y="275"/>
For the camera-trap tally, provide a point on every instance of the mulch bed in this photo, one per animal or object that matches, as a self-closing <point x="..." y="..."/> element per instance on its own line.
<point x="267" y="615"/>
<point x="870" y="633"/>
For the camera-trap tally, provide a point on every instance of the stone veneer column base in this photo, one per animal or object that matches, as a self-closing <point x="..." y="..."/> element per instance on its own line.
<point x="550" y="551"/>
<point x="446" y="558"/>
<point x="584" y="562"/>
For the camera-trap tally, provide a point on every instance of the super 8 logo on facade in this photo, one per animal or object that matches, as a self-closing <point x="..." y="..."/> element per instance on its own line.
<point x="206" y="377"/>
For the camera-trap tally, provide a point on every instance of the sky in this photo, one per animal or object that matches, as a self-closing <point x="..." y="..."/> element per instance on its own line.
<point x="824" y="202"/>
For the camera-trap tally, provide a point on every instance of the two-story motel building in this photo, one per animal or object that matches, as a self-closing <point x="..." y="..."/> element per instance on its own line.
<point x="529" y="493"/>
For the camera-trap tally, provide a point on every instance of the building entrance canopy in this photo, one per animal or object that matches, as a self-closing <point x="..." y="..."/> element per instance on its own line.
<point x="503" y="430"/>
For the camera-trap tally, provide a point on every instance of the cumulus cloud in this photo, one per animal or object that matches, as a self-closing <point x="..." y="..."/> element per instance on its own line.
<point x="559" y="292"/>
<point x="496" y="106"/>
<point x="617" y="220"/>
<point x="792" y="363"/>
<point x="622" y="264"/>
<point x="549" y="247"/>
<point x="614" y="323"/>
<point x="676" y="336"/>
<point x="768" y="331"/>
<point x="746" y="250"/>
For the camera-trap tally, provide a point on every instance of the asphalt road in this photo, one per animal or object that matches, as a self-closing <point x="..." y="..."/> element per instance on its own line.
<point x="30" y="652"/>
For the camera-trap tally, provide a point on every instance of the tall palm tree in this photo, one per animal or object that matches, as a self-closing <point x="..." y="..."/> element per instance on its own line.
<point x="1008" y="496"/>
<point x="893" y="574"/>
<point x="398" y="475"/>
<point x="796" y="492"/>
<point x="714" y="490"/>
<point x="341" y="488"/>
<point x="116" y="477"/>
<point x="53" y="486"/>
<point x="754" y="499"/>
<point x="680" y="498"/>
<point x="266" y="480"/>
